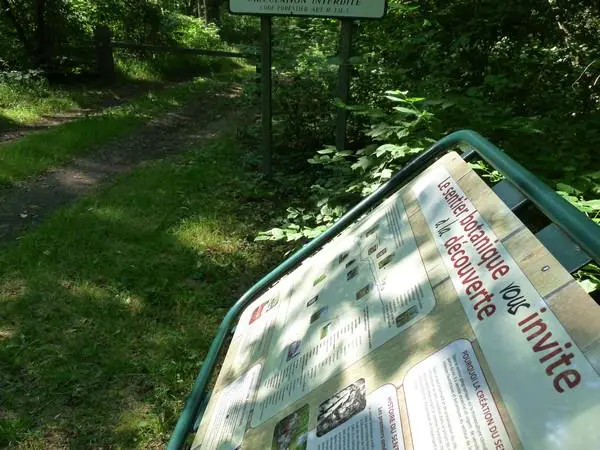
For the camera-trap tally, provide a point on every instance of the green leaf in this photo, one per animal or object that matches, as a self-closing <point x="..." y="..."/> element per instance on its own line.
<point x="402" y="133"/>
<point x="404" y="110"/>
<point x="592" y="204"/>
<point x="294" y="236"/>
<point x="389" y="148"/>
<point x="276" y="233"/>
<point x="396" y="92"/>
<point x="364" y="162"/>
<point x="394" y="98"/>
<point x="326" y="151"/>
<point x="588" y="285"/>
<point x="379" y="130"/>
<point x="385" y="174"/>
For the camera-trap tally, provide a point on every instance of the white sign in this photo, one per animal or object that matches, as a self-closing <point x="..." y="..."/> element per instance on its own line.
<point x="450" y="405"/>
<point x="232" y="412"/>
<point x="361" y="290"/>
<point x="351" y="420"/>
<point x="358" y="9"/>
<point x="548" y="386"/>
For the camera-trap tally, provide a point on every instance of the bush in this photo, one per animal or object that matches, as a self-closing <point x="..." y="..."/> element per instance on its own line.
<point x="239" y="29"/>
<point x="179" y="31"/>
<point x="397" y="134"/>
<point x="189" y="31"/>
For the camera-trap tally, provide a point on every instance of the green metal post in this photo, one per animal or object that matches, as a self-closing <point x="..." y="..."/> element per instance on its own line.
<point x="343" y="83"/>
<point x="265" y="37"/>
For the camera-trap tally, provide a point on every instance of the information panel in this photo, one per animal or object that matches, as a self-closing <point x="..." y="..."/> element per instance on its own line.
<point x="357" y="9"/>
<point x="437" y="321"/>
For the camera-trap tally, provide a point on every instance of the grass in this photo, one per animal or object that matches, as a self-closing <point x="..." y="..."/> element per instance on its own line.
<point x="37" y="152"/>
<point x="27" y="104"/>
<point x="107" y="309"/>
<point x="26" y="99"/>
<point x="159" y="68"/>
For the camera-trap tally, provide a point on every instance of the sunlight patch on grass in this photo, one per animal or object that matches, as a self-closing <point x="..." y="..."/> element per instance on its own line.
<point x="12" y="286"/>
<point x="208" y="236"/>
<point x="6" y="333"/>
<point x="23" y="115"/>
<point x="115" y="300"/>
<point x="28" y="103"/>
<point x="139" y="425"/>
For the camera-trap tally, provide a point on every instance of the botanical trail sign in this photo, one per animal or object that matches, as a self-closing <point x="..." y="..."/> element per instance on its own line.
<point x="436" y="321"/>
<point x="356" y="9"/>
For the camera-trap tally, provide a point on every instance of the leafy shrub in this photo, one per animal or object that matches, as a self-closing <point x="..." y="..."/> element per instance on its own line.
<point x="179" y="31"/>
<point x="239" y="29"/>
<point x="189" y="31"/>
<point x="397" y="134"/>
<point x="305" y="80"/>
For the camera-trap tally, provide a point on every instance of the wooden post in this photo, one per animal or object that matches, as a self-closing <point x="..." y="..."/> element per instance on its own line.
<point x="104" y="54"/>
<point x="343" y="83"/>
<point x="265" y="73"/>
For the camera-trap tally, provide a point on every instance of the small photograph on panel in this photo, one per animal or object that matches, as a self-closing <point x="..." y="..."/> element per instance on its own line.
<point x="372" y="249"/>
<point x="364" y="291"/>
<point x="385" y="261"/>
<point x="353" y="272"/>
<point x="293" y="350"/>
<point x="319" y="314"/>
<point x="257" y="313"/>
<point x="341" y="407"/>
<point x="343" y="257"/>
<point x="325" y="330"/>
<point x="350" y="263"/>
<point x="272" y="303"/>
<point x="312" y="301"/>
<point x="319" y="279"/>
<point x="407" y="316"/>
<point x="381" y="252"/>
<point x="291" y="432"/>
<point x="371" y="230"/>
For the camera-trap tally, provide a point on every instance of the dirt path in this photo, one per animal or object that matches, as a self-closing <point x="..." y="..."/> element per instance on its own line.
<point x="27" y="204"/>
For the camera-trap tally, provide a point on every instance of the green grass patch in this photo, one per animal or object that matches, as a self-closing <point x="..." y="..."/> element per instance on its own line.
<point x="162" y="67"/>
<point x="37" y="152"/>
<point x="107" y="309"/>
<point x="27" y="103"/>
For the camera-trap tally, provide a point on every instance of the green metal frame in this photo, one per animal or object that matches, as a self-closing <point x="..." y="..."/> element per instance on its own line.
<point x="583" y="231"/>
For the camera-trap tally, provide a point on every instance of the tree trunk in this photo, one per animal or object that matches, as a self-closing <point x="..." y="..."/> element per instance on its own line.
<point x="212" y="11"/>
<point x="42" y="50"/>
<point x="21" y="35"/>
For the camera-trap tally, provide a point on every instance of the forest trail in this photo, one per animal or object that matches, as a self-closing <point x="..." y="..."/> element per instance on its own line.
<point x="98" y="102"/>
<point x="27" y="203"/>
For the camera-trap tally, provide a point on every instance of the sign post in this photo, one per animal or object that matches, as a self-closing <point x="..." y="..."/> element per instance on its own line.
<point x="265" y="94"/>
<point x="343" y="84"/>
<point x="346" y="10"/>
